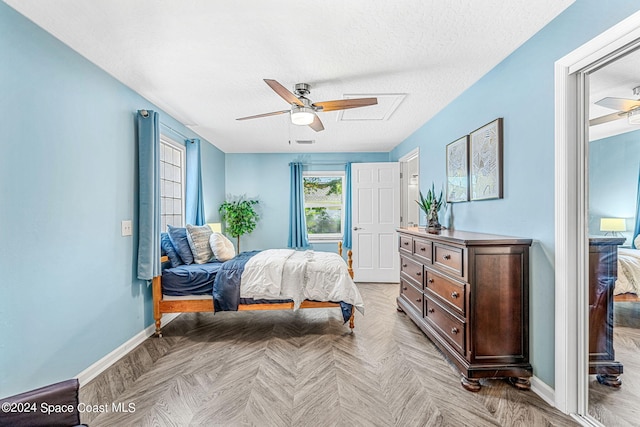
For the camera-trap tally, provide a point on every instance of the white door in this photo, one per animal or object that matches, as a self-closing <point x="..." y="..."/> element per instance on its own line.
<point x="375" y="192"/>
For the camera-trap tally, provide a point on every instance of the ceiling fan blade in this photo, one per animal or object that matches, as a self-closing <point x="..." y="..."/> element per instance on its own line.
<point x="344" y="104"/>
<point x="275" y="113"/>
<point x="283" y="92"/>
<point x="608" y="118"/>
<point x="620" y="104"/>
<point x="316" y="124"/>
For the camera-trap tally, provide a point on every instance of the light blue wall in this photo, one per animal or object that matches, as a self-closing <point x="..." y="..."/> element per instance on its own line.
<point x="614" y="164"/>
<point x="521" y="90"/>
<point x="68" y="293"/>
<point x="266" y="177"/>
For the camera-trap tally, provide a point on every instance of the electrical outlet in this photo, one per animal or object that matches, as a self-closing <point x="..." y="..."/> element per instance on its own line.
<point x="126" y="228"/>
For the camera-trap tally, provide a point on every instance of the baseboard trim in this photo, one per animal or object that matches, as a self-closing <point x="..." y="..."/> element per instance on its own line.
<point x="101" y="365"/>
<point x="545" y="392"/>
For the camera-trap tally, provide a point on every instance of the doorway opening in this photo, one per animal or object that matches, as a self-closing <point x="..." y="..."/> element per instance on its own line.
<point x="572" y="243"/>
<point x="410" y="189"/>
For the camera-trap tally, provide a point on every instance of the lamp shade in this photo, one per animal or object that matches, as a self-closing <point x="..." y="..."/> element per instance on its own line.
<point x="302" y="116"/>
<point x="612" y="224"/>
<point x="216" y="227"/>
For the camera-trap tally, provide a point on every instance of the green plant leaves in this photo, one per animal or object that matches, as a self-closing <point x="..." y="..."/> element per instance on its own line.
<point x="240" y="216"/>
<point x="426" y="202"/>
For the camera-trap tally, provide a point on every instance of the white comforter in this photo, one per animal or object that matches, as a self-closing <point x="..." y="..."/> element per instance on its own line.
<point x="628" y="272"/>
<point x="299" y="275"/>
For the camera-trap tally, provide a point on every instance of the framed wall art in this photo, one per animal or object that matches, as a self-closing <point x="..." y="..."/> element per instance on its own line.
<point x="458" y="170"/>
<point x="485" y="146"/>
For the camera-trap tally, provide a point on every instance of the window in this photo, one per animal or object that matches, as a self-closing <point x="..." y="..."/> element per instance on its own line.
<point x="171" y="183"/>
<point x="324" y="204"/>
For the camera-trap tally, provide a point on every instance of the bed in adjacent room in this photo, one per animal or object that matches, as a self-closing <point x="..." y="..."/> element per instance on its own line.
<point x="628" y="283"/>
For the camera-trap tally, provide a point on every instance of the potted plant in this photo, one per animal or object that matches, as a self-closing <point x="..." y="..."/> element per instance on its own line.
<point x="431" y="205"/>
<point x="240" y="217"/>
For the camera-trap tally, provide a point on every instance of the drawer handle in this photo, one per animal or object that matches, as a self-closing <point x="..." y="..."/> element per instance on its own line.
<point x="404" y="288"/>
<point x="418" y="273"/>
<point x="431" y="310"/>
<point x="430" y="280"/>
<point x="454" y="295"/>
<point x="454" y="330"/>
<point x="404" y="265"/>
<point x="423" y="249"/>
<point x="419" y="300"/>
<point x="405" y="243"/>
<point x="447" y="257"/>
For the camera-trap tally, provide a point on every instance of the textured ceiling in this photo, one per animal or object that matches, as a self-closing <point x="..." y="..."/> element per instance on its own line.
<point x="204" y="61"/>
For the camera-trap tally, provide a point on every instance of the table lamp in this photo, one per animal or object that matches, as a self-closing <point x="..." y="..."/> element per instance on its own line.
<point x="612" y="225"/>
<point x="216" y="227"/>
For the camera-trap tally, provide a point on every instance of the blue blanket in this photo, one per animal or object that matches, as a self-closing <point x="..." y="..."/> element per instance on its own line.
<point x="192" y="279"/>
<point x="226" y="287"/>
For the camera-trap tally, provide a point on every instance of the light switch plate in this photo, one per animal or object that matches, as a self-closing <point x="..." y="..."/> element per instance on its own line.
<point x="126" y="228"/>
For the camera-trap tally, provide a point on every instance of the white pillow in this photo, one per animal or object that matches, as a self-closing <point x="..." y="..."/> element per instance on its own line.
<point x="636" y="241"/>
<point x="222" y="247"/>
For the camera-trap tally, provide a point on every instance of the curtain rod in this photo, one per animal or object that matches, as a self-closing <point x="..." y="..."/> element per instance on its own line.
<point x="323" y="163"/>
<point x="176" y="132"/>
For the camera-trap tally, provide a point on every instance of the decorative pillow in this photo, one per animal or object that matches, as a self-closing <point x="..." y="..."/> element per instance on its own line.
<point x="222" y="247"/>
<point x="636" y="242"/>
<point x="169" y="250"/>
<point x="178" y="237"/>
<point x="198" y="237"/>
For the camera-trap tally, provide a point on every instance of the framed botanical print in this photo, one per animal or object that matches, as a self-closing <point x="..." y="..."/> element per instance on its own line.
<point x="458" y="170"/>
<point x="485" y="147"/>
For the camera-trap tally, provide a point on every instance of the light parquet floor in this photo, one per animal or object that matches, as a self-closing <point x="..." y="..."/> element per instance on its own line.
<point x="303" y="368"/>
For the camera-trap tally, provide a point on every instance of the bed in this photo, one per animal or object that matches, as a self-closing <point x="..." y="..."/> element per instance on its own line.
<point x="627" y="286"/>
<point x="217" y="286"/>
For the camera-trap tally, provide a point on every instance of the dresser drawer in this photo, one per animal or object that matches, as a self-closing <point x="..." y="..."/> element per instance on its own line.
<point x="451" y="292"/>
<point x="405" y="244"/>
<point x="422" y="250"/>
<point x="411" y="294"/>
<point x="412" y="270"/>
<point x="448" y="257"/>
<point x="449" y="327"/>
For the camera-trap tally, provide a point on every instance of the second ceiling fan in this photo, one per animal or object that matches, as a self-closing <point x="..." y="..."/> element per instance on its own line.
<point x="303" y="111"/>
<point x="629" y="108"/>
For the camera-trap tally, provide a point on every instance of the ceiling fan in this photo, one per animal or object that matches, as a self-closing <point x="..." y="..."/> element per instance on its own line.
<point x="303" y="111"/>
<point x="629" y="108"/>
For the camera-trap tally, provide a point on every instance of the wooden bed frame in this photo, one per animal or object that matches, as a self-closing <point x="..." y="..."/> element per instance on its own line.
<point x="626" y="298"/>
<point x="161" y="306"/>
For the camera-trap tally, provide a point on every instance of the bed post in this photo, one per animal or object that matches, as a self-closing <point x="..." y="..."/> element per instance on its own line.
<point x="157" y="294"/>
<point x="350" y="262"/>
<point x="340" y="248"/>
<point x="353" y="312"/>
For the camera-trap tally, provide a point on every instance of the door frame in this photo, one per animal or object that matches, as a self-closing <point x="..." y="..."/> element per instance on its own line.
<point x="404" y="183"/>
<point x="571" y="314"/>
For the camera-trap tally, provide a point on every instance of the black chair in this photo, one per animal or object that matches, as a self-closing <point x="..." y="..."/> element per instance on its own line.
<point x="55" y="405"/>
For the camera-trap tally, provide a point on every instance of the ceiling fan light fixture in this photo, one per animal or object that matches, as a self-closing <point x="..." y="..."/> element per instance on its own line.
<point x="633" y="116"/>
<point x="302" y="116"/>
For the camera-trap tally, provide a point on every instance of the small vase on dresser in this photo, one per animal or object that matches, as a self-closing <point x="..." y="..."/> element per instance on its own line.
<point x="469" y="293"/>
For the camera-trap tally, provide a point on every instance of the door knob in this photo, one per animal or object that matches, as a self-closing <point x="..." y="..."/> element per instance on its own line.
<point x="357" y="228"/>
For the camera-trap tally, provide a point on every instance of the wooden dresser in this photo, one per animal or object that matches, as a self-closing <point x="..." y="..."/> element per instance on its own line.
<point x="469" y="293"/>
<point x="603" y="273"/>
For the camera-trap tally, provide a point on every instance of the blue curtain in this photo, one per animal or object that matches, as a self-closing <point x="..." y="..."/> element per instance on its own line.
<point x="194" y="201"/>
<point x="346" y="237"/>
<point x="298" y="237"/>
<point x="636" y="229"/>
<point x="149" y="224"/>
